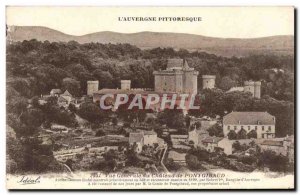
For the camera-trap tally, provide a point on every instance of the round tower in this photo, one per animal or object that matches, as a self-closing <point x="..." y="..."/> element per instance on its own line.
<point x="249" y="87"/>
<point x="208" y="81"/>
<point x="125" y="84"/>
<point x="92" y="87"/>
<point x="257" y="89"/>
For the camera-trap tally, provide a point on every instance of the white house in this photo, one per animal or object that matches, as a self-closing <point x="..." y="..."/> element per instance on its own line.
<point x="261" y="122"/>
<point x="150" y="138"/>
<point x="141" y="138"/>
<point x="137" y="139"/>
<point x="226" y="145"/>
<point x="197" y="135"/>
<point x="211" y="143"/>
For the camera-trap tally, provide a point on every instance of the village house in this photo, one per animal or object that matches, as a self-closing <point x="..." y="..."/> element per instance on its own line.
<point x="249" y="86"/>
<point x="59" y="128"/>
<point x="226" y="145"/>
<point x="10" y="132"/>
<point x="211" y="143"/>
<point x="204" y="122"/>
<point x="195" y="136"/>
<point x="177" y="139"/>
<point x="65" y="99"/>
<point x="141" y="138"/>
<point x="180" y="141"/>
<point x="283" y="147"/>
<point x="150" y="138"/>
<point x="262" y="123"/>
<point x="177" y="157"/>
<point x="55" y="92"/>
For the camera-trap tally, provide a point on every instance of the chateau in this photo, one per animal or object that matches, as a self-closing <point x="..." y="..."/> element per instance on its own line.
<point x="177" y="78"/>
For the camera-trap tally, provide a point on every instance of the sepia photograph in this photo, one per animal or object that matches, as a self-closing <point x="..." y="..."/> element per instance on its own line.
<point x="178" y="98"/>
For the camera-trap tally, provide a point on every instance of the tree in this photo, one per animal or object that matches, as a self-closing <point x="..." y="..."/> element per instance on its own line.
<point x="104" y="77"/>
<point x="232" y="135"/>
<point x="236" y="146"/>
<point x="252" y="143"/>
<point x="72" y="85"/>
<point x="30" y="155"/>
<point x="192" y="161"/>
<point x="111" y="158"/>
<point x="131" y="155"/>
<point x="92" y="113"/>
<point x="275" y="162"/>
<point x="114" y="121"/>
<point x="100" y="133"/>
<point x="187" y="121"/>
<point x="172" y="118"/>
<point x="252" y="134"/>
<point x="215" y="130"/>
<point x="200" y="153"/>
<point x="242" y="134"/>
<point x="171" y="165"/>
<point x="226" y="83"/>
<point x="72" y="108"/>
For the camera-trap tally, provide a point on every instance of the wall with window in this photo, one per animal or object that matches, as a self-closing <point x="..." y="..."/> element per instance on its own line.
<point x="260" y="129"/>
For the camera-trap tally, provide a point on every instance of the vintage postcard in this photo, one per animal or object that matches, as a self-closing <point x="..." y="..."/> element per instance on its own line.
<point x="150" y="98"/>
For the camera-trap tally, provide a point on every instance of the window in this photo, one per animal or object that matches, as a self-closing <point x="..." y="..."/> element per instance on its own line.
<point x="234" y="127"/>
<point x="269" y="128"/>
<point x="263" y="128"/>
<point x="228" y="127"/>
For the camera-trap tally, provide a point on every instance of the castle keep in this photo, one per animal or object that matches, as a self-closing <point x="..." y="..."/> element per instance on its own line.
<point x="178" y="78"/>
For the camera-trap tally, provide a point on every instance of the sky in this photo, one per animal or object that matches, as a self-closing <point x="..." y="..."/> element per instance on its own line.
<point x="225" y="22"/>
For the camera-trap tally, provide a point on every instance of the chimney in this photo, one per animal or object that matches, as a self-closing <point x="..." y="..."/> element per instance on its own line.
<point x="125" y="84"/>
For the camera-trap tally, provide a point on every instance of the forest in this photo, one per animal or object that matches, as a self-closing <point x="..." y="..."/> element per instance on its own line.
<point x="34" y="68"/>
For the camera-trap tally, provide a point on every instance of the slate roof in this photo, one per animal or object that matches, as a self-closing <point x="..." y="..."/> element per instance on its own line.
<point x="118" y="91"/>
<point x="177" y="64"/>
<point x="128" y="92"/>
<point x="235" y="89"/>
<point x="249" y="118"/>
<point x="55" y="91"/>
<point x="212" y="139"/>
<point x="150" y="133"/>
<point x="179" y="136"/>
<point x="272" y="143"/>
<point x="176" y="156"/>
<point x="67" y="93"/>
<point x="136" y="137"/>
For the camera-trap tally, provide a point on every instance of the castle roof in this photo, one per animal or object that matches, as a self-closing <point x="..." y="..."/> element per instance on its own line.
<point x="249" y="118"/>
<point x="119" y="91"/>
<point x="175" y="63"/>
<point x="128" y="92"/>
